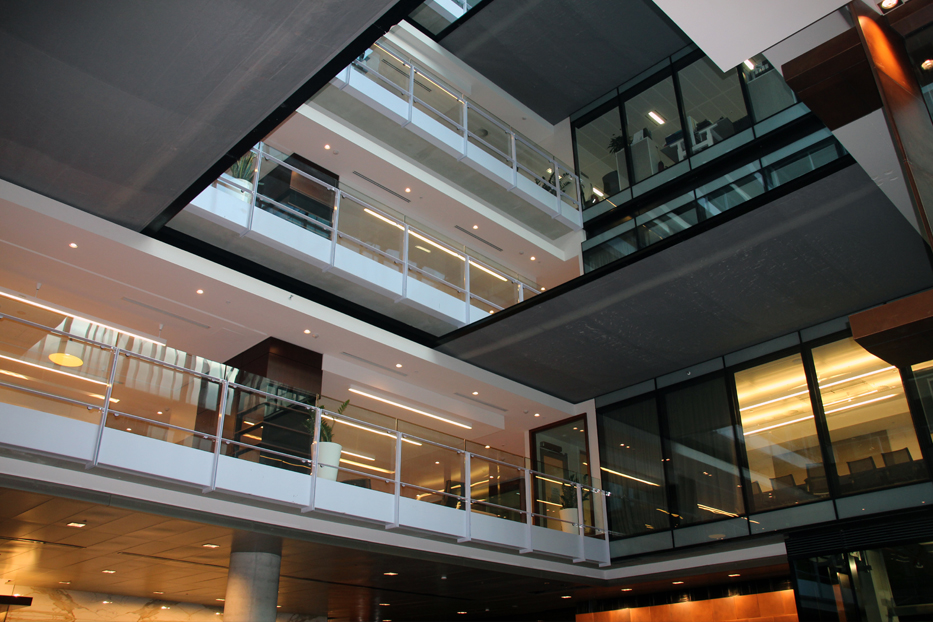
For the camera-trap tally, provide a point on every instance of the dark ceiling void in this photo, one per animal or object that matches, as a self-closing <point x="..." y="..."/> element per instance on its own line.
<point x="822" y="252"/>
<point x="118" y="108"/>
<point x="556" y="56"/>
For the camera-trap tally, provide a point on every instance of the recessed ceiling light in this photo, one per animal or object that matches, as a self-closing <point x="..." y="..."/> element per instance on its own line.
<point x="219" y="599"/>
<point x="278" y="606"/>
<point x="78" y="524"/>
<point x="65" y="360"/>
<point x="399" y="365"/>
<point x="158" y="592"/>
<point x="109" y="571"/>
<point x="200" y="291"/>
<point x="735" y="575"/>
<point x="65" y="582"/>
<point x="211" y="546"/>
<point x="307" y="332"/>
<point x="927" y="65"/>
<point x="327" y="146"/>
<point x="461" y="612"/>
<point x="565" y="596"/>
<point x="107" y="602"/>
<point x="598" y="192"/>
<point x="475" y="392"/>
<point x="678" y="582"/>
<point x="383" y="604"/>
<point x="437" y="462"/>
<point x="166" y="607"/>
<point x="73" y="245"/>
<point x="129" y="429"/>
<point x="476" y="226"/>
<point x="626" y="589"/>
<point x="537" y="414"/>
<point x="543" y="288"/>
<point x="887" y="5"/>
<point x="158" y="412"/>
<point x="656" y="117"/>
<point x="407" y="189"/>
<point x="532" y="257"/>
<point x="487" y="446"/>
<point x="390" y="574"/>
<point x="749" y="64"/>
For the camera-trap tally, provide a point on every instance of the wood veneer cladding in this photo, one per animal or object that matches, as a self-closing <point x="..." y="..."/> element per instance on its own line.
<point x="283" y="362"/>
<point x="911" y="16"/>
<point x="900" y="332"/>
<point x="835" y="80"/>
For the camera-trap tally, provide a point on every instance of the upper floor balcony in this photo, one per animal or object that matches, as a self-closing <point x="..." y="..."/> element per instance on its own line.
<point x="426" y="119"/>
<point x="82" y="393"/>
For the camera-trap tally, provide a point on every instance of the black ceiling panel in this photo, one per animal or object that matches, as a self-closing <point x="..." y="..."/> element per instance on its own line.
<point x="116" y="108"/>
<point x="822" y="252"/>
<point x="556" y="56"/>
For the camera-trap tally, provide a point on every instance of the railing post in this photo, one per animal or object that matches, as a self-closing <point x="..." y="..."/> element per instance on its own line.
<point x="581" y="555"/>
<point x="556" y="170"/>
<point x="608" y="561"/>
<point x="467" y="500"/>
<point x="405" y="261"/>
<point x="398" y="480"/>
<point x="218" y="438"/>
<point x="315" y="438"/>
<point x="529" y="512"/>
<point x="466" y="283"/>
<point x="514" y="159"/>
<point x="335" y="235"/>
<point x="105" y="410"/>
<point x="254" y="190"/>
<point x="411" y="92"/>
<point x="466" y="127"/>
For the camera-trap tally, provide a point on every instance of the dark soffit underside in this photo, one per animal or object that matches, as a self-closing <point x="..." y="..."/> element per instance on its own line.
<point x="832" y="248"/>
<point x="116" y="108"/>
<point x="556" y="56"/>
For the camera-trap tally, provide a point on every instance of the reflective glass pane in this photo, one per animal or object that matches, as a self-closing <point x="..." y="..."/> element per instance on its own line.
<point x="713" y="104"/>
<point x="702" y="453"/>
<point x="923" y="381"/>
<point x="436" y="265"/>
<point x="386" y="69"/>
<point x="784" y="459"/>
<point x="489" y="135"/>
<point x="438" y="100"/>
<point x="873" y="437"/>
<point x="601" y="156"/>
<point x="632" y="468"/>
<point x="370" y="233"/>
<point x="656" y="139"/>
<point x="732" y="194"/>
<point x="610" y="250"/>
<point x="802" y="162"/>
<point x="767" y="92"/>
<point x="561" y="456"/>
<point x="492" y="286"/>
<point x="667" y="224"/>
<point x="497" y="489"/>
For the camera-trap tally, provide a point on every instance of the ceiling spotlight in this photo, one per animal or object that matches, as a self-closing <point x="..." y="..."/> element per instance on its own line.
<point x="735" y="575"/>
<point x="543" y="288"/>
<point x="107" y="602"/>
<point x="654" y="116"/>
<point x="109" y="571"/>
<point x="77" y="524"/>
<point x="487" y="446"/>
<point x="887" y="5"/>
<point x="65" y="582"/>
<point x="565" y="596"/>
<point x="200" y="291"/>
<point x="219" y="599"/>
<point x="461" y="612"/>
<point x="327" y="146"/>
<point x="927" y="65"/>
<point x="407" y="189"/>
<point x="73" y="245"/>
<point x="158" y="412"/>
<point x="626" y="589"/>
<point x="537" y="414"/>
<point x="307" y="332"/>
<point x="390" y="574"/>
<point x="598" y="192"/>
<point x="476" y="226"/>
<point x="383" y="604"/>
<point x="748" y="63"/>
<point x="678" y="582"/>
<point x="158" y="592"/>
<point x="475" y="392"/>
<point x="399" y="365"/>
<point x="532" y="257"/>
<point x="211" y="546"/>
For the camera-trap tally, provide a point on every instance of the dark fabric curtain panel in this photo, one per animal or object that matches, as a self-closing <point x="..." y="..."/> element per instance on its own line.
<point x="702" y="450"/>
<point x="630" y="452"/>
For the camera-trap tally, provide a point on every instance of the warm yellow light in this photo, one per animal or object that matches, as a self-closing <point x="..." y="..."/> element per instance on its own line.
<point x="65" y="360"/>
<point x="436" y="245"/>
<point x="414" y="410"/>
<point x="749" y="64"/>
<point x="7" y="372"/>
<point x="366" y="466"/>
<point x="887" y="5"/>
<point x="73" y="245"/>
<point x="327" y="146"/>
<point x="643" y="481"/>
<point x="57" y="371"/>
<point x="407" y="189"/>
<point x="927" y="65"/>
<point x="487" y="270"/>
<point x="382" y="218"/>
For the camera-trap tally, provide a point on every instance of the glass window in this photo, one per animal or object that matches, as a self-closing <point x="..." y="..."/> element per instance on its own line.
<point x="632" y="468"/>
<point x="923" y="381"/>
<point x="601" y="156"/>
<point x="653" y="128"/>
<point x="560" y="451"/>
<point x="873" y="437"/>
<point x="784" y="460"/>
<point x="768" y="94"/>
<point x="704" y="473"/>
<point x="713" y="104"/>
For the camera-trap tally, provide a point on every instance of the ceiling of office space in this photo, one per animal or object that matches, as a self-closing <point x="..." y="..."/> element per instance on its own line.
<point x="118" y="108"/>
<point x="819" y="253"/>
<point x="556" y="56"/>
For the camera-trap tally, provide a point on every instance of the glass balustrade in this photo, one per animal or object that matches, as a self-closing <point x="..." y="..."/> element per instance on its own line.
<point x="188" y="402"/>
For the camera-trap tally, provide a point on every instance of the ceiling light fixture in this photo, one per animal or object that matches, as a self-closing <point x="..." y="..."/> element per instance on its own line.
<point x="598" y="193"/>
<point x="77" y="524"/>
<point x="383" y="218"/>
<point x="414" y="410"/>
<point x="390" y="574"/>
<point x="887" y="5"/>
<point x="219" y="599"/>
<point x="487" y="270"/>
<point x="360" y="456"/>
<point x="73" y="245"/>
<point x="476" y="226"/>
<point x="735" y="575"/>
<point x="57" y="371"/>
<point x="200" y="291"/>
<point x="656" y="117"/>
<point x="435" y="244"/>
<point x="407" y="189"/>
<point x="7" y="372"/>
<point x="749" y="64"/>
<point x="65" y="360"/>
<point x="158" y="592"/>
<point x="626" y="589"/>
<point x="327" y="146"/>
<point x="399" y="365"/>
<point x="678" y="583"/>
<point x="384" y="604"/>
<point x="475" y="392"/>
<point x="537" y="414"/>
<point x="643" y="481"/>
<point x="532" y="257"/>
<point x="107" y="602"/>
<point x="211" y="546"/>
<point x="109" y="571"/>
<point x="927" y="65"/>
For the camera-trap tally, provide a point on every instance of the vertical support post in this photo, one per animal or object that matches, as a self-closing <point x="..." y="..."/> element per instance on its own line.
<point x="466" y="127"/>
<point x="521" y="291"/>
<point x="398" y="479"/>
<point x="315" y="442"/>
<point x="581" y="554"/>
<point x="556" y="170"/>
<point x="466" y="283"/>
<point x="467" y="499"/>
<point x="218" y="435"/>
<point x="411" y="92"/>
<point x="335" y="223"/>
<point x="254" y="189"/>
<point x="105" y="410"/>
<point x="514" y="156"/>
<point x="407" y="235"/>
<point x="529" y="512"/>
<point x="605" y="502"/>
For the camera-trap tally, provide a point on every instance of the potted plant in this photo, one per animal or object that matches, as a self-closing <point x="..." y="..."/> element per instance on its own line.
<point x="242" y="170"/>
<point x="568" y="500"/>
<point x="328" y="452"/>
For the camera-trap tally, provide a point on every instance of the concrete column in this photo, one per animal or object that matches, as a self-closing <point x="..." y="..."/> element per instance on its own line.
<point x="253" y="579"/>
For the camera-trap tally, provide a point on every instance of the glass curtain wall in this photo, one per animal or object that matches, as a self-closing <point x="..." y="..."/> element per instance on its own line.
<point x="713" y="104"/>
<point x="923" y="384"/>
<point x="785" y="465"/>
<point x="601" y="160"/>
<point x="656" y="139"/>
<point x="768" y="94"/>
<point x="703" y="468"/>
<point x="632" y="467"/>
<point x="560" y="451"/>
<point x="873" y="438"/>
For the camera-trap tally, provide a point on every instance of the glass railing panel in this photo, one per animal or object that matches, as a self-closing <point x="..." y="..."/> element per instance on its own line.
<point x="500" y="455"/>
<point x="804" y="161"/>
<point x="492" y="286"/>
<point x="35" y="380"/>
<point x="438" y="101"/>
<point x="529" y="292"/>
<point x="555" y="504"/>
<point x="732" y="194"/>
<point x="568" y="187"/>
<point x="479" y="303"/>
<point x="165" y="396"/>
<point x="162" y="431"/>
<point x="240" y="175"/>
<point x="385" y="69"/>
<point x="370" y="233"/>
<point x="667" y="224"/>
<point x="535" y="165"/>
<point x="497" y="489"/>
<point x="295" y="197"/>
<point x="618" y="247"/>
<point x="20" y="309"/>
<point x="367" y="451"/>
<point x="432" y="473"/>
<point x="489" y="136"/>
<point x="436" y="15"/>
<point x="594" y="523"/>
<point x="436" y="265"/>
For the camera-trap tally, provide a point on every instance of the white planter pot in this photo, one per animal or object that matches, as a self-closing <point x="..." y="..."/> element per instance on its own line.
<point x="568" y="514"/>
<point x="328" y="457"/>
